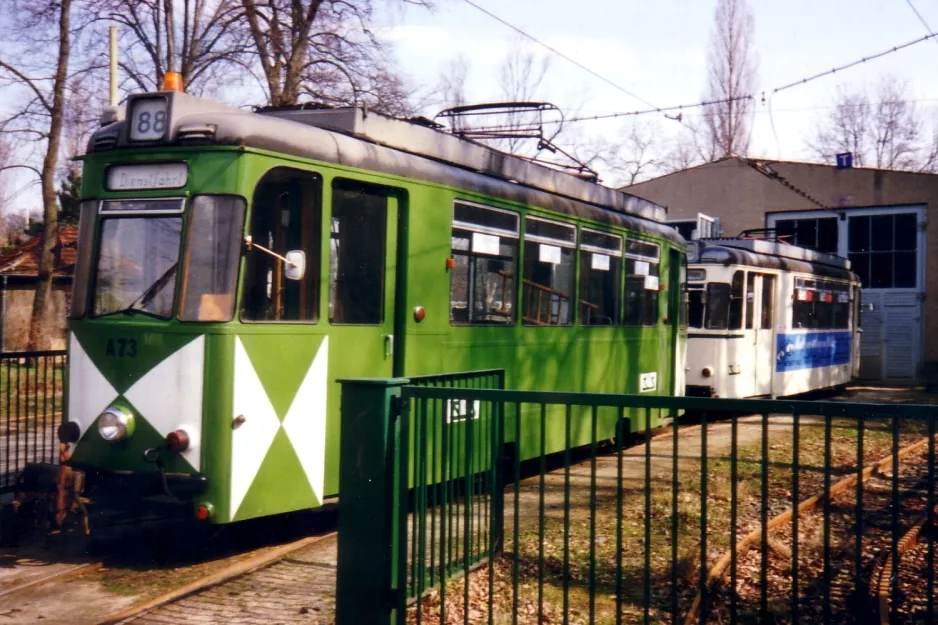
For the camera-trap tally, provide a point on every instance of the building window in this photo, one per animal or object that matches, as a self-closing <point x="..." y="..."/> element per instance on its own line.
<point x="685" y="228"/>
<point x="600" y="270"/>
<point x="485" y="253"/>
<point x="816" y="234"/>
<point x="641" y="283"/>
<point x="882" y="250"/>
<point x="549" y="260"/>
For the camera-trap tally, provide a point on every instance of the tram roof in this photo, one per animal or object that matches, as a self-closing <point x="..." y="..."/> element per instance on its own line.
<point x="770" y="255"/>
<point x="357" y="138"/>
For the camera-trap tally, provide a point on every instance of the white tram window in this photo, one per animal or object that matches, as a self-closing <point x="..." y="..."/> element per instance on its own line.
<point x="485" y="254"/>
<point x="768" y="302"/>
<point x="821" y="305"/>
<point x="285" y="216"/>
<point x="213" y="252"/>
<point x="600" y="269"/>
<point x="696" y="306"/>
<point x="718" y="306"/>
<point x="750" y="299"/>
<point x="641" y="283"/>
<point x="549" y="272"/>
<point x="736" y="303"/>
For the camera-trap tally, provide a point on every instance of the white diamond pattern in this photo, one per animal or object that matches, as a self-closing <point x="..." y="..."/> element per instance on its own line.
<point x="305" y="423"/>
<point x="251" y="440"/>
<point x="89" y="392"/>
<point x="169" y="396"/>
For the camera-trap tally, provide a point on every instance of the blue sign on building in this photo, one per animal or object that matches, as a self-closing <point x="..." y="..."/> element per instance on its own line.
<point x="808" y="351"/>
<point x="844" y="160"/>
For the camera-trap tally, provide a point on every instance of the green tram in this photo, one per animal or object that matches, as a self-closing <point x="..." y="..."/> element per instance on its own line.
<point x="233" y="265"/>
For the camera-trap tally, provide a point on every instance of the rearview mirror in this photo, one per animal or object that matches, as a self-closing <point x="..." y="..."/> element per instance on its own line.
<point x="295" y="267"/>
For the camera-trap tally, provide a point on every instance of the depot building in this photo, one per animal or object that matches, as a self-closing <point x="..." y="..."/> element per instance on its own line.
<point x="876" y="218"/>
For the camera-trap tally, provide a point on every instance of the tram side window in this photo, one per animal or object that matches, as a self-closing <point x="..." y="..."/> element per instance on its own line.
<point x="213" y="252"/>
<point x="750" y="299"/>
<point x="357" y="245"/>
<point x="549" y="279"/>
<point x="696" y="306"/>
<point x="718" y="305"/>
<point x="485" y="251"/>
<point x="768" y="302"/>
<point x="286" y="216"/>
<point x="641" y="283"/>
<point x="600" y="267"/>
<point x="821" y="305"/>
<point x="736" y="302"/>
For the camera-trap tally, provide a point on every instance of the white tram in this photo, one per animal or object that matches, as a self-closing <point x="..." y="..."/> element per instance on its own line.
<point x="770" y="319"/>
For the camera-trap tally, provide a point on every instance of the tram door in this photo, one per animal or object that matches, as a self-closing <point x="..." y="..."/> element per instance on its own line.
<point x="362" y="282"/>
<point x="362" y="268"/>
<point x="763" y="334"/>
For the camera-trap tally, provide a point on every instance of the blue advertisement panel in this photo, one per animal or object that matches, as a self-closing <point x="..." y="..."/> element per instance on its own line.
<point x="808" y="351"/>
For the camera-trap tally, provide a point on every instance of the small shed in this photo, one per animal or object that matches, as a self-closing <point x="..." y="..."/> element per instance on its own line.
<point x="19" y="269"/>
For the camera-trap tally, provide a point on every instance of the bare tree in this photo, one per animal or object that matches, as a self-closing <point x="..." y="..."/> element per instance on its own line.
<point x="38" y="63"/>
<point x="323" y="51"/>
<point x="5" y="160"/>
<point x="200" y="39"/>
<point x="886" y="132"/>
<point x="636" y="154"/>
<point x="732" y="63"/>
<point x="520" y="75"/>
<point x="452" y="81"/>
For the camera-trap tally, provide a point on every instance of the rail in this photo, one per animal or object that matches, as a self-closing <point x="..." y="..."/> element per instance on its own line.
<point x="31" y="408"/>
<point x="475" y="520"/>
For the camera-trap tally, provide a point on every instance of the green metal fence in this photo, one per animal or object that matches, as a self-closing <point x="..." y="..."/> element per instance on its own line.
<point x="774" y="511"/>
<point x="31" y="405"/>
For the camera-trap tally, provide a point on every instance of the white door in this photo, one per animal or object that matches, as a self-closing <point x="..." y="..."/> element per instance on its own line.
<point x="885" y="249"/>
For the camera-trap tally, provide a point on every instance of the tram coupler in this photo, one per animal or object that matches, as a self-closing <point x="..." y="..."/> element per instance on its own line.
<point x="44" y="495"/>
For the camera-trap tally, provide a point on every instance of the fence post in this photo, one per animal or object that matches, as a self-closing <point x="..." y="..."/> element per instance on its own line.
<point x="372" y="557"/>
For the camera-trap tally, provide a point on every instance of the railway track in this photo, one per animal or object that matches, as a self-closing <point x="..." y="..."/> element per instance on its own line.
<point x="57" y="576"/>
<point x="855" y="589"/>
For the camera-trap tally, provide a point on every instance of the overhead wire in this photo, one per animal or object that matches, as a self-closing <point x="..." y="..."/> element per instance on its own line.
<point x="920" y="18"/>
<point x="560" y="54"/>
<point x="680" y="107"/>
<point x="855" y="63"/>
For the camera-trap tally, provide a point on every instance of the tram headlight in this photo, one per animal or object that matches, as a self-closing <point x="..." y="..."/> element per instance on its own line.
<point x="116" y="423"/>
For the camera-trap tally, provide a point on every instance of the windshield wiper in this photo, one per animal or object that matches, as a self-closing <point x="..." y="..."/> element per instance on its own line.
<point x="150" y="292"/>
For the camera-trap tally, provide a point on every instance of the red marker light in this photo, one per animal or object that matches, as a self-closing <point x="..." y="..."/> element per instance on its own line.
<point x="202" y="512"/>
<point x="450" y="263"/>
<point x="419" y="313"/>
<point x="177" y="441"/>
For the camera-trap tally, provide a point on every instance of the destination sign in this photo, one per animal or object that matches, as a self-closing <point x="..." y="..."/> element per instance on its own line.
<point x="150" y="176"/>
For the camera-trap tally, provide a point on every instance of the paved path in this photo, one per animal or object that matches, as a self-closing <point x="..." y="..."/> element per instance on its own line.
<point x="299" y="589"/>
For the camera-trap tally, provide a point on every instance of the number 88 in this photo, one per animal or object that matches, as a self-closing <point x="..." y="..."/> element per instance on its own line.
<point x="158" y="124"/>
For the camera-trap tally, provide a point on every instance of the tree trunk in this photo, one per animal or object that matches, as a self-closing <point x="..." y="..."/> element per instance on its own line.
<point x="38" y="336"/>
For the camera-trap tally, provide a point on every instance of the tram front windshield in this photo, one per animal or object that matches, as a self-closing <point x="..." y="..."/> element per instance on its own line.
<point x="137" y="261"/>
<point x="141" y="259"/>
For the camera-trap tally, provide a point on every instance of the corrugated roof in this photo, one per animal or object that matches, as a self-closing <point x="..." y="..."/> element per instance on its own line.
<point x="24" y="260"/>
